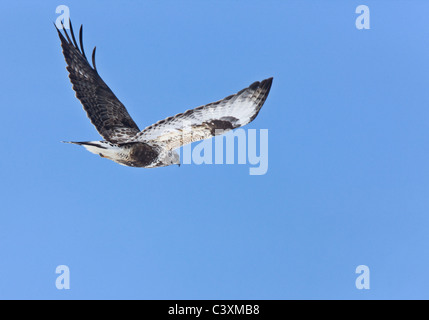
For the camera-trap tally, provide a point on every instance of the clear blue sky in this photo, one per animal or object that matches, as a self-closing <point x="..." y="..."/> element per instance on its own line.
<point x="348" y="178"/>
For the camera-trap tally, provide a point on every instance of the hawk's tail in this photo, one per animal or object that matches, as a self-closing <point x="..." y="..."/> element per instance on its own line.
<point x="101" y="148"/>
<point x="98" y="144"/>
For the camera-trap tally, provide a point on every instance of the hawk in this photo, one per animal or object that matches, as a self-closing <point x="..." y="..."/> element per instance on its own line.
<point x="154" y="146"/>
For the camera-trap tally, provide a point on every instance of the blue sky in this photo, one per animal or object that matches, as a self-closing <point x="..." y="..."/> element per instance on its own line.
<point x="348" y="176"/>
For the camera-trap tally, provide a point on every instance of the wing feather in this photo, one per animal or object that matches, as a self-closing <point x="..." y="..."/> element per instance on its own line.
<point x="106" y="112"/>
<point x="209" y="120"/>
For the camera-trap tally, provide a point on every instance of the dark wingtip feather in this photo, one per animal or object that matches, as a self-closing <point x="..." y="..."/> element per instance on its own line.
<point x="266" y="84"/>
<point x="63" y="40"/>
<point x="93" y="59"/>
<point x="65" y="32"/>
<point x="263" y="84"/>
<point x="269" y="80"/>
<point x="254" y="85"/>
<point x="67" y="41"/>
<point x="72" y="34"/>
<point x="81" y="41"/>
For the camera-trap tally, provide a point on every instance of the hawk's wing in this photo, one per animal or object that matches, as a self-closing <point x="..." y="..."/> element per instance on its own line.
<point x="209" y="120"/>
<point x="104" y="110"/>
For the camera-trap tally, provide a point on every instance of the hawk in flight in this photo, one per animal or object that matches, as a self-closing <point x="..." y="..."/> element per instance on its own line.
<point x="154" y="146"/>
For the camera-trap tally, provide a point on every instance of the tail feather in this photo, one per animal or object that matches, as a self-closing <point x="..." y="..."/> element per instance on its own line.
<point x="104" y="149"/>
<point x="98" y="144"/>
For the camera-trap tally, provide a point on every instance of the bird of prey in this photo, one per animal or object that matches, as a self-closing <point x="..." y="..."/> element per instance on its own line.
<point x="154" y="146"/>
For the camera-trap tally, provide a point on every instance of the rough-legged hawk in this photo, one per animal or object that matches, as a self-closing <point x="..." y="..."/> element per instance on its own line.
<point x="153" y="147"/>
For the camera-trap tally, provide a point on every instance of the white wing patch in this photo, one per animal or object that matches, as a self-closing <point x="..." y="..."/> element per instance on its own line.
<point x="201" y="123"/>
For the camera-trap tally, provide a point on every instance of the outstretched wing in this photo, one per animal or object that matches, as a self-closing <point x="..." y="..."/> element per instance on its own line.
<point x="209" y="120"/>
<point x="104" y="110"/>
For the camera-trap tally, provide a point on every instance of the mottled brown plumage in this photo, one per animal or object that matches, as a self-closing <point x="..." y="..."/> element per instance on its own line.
<point x="104" y="109"/>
